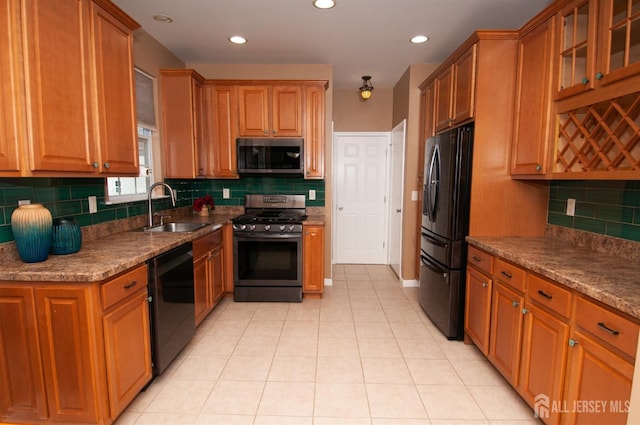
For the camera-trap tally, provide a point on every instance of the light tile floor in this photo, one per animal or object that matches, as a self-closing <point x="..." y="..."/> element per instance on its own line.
<point x="364" y="354"/>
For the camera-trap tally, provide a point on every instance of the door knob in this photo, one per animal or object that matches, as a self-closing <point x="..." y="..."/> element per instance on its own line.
<point x="398" y="210"/>
<point x="340" y="208"/>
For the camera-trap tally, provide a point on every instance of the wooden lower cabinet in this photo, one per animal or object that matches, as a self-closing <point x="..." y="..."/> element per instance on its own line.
<point x="596" y="374"/>
<point x="569" y="357"/>
<point x="209" y="272"/>
<point x="22" y="390"/>
<point x="477" y="316"/>
<point x="127" y="345"/>
<point x="75" y="352"/>
<point x="506" y="331"/>
<point x="544" y="355"/>
<point x="313" y="260"/>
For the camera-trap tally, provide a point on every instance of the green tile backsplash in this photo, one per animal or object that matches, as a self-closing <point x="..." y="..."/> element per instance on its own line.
<point x="609" y="208"/>
<point x="68" y="196"/>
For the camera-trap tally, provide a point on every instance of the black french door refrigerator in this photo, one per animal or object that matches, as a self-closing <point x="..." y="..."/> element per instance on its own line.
<point x="445" y="223"/>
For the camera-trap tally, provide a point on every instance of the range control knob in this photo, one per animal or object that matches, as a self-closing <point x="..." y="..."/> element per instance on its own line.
<point x="291" y="227"/>
<point x="282" y="227"/>
<point x="252" y="227"/>
<point x="267" y="227"/>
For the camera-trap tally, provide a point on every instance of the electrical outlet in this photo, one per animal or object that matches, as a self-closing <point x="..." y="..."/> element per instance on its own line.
<point x="571" y="207"/>
<point x="312" y="195"/>
<point x="93" y="205"/>
<point x="225" y="193"/>
<point x="414" y="195"/>
<point x="24" y="202"/>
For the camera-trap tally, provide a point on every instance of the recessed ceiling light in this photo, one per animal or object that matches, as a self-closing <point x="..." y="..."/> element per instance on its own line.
<point x="163" y="19"/>
<point x="237" y="39"/>
<point x="419" y="39"/>
<point x="324" y="4"/>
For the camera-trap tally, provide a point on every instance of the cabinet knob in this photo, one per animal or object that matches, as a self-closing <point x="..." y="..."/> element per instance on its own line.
<point x="107" y="165"/>
<point x="275" y="132"/>
<point x="585" y="81"/>
<point x="524" y="311"/>
<point x="266" y="132"/>
<point x="572" y="342"/>
<point x="485" y="285"/>
<point x="538" y="167"/>
<point x="599" y="75"/>
<point x="515" y="303"/>
<point x="95" y="164"/>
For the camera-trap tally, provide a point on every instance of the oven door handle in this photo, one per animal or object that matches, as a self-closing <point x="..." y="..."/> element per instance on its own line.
<point x="254" y="236"/>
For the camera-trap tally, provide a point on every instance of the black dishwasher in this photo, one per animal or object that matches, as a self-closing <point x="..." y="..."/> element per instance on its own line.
<point x="172" y="304"/>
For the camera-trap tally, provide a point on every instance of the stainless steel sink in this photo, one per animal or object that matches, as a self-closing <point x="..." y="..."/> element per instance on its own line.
<point x="176" y="227"/>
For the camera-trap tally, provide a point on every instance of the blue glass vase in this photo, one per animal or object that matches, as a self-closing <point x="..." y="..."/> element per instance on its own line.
<point x="66" y="237"/>
<point x="32" y="227"/>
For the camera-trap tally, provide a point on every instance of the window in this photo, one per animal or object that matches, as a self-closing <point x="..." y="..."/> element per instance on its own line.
<point x="127" y="189"/>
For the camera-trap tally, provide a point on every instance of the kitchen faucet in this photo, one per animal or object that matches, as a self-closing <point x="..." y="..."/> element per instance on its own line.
<point x="173" y="200"/>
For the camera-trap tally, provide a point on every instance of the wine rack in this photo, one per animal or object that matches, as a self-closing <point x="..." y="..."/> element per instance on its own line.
<point x="600" y="137"/>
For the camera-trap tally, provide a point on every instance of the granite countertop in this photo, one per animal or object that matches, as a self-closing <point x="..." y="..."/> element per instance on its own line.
<point x="608" y="278"/>
<point x="315" y="220"/>
<point x="102" y="258"/>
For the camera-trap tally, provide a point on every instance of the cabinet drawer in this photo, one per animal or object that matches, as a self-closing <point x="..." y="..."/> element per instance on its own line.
<point x="550" y="295"/>
<point x="122" y="286"/>
<point x="207" y="243"/>
<point x="480" y="259"/>
<point x="509" y="274"/>
<point x="607" y="325"/>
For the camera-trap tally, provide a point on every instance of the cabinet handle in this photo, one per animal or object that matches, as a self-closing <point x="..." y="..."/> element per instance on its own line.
<point x="572" y="342"/>
<point x="149" y="299"/>
<point x="485" y="284"/>
<point x="585" y="81"/>
<point x="95" y="164"/>
<point x="477" y="259"/>
<point x="107" y="165"/>
<point x="544" y="294"/>
<point x="131" y="285"/>
<point x="515" y="303"/>
<point x="605" y="328"/>
<point x="506" y="274"/>
<point x="538" y="167"/>
<point x="524" y="311"/>
<point x="599" y="75"/>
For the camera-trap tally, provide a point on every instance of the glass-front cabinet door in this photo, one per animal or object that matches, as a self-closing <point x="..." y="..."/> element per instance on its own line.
<point x="620" y="40"/>
<point x="577" y="47"/>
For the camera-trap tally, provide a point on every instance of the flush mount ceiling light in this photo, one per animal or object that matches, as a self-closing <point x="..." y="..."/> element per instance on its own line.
<point x="366" y="88"/>
<point x="324" y="4"/>
<point x="162" y="19"/>
<point x="419" y="39"/>
<point x="237" y="39"/>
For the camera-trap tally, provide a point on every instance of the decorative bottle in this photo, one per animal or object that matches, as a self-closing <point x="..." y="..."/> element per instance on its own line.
<point x="67" y="237"/>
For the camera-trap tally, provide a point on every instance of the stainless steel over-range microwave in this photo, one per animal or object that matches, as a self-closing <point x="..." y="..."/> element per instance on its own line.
<point x="270" y="156"/>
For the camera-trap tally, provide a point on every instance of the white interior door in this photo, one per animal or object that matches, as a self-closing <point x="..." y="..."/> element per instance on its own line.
<point x="360" y="197"/>
<point x="396" y="192"/>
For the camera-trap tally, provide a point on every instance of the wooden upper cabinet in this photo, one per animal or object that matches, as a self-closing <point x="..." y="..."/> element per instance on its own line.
<point x="619" y="55"/>
<point x="79" y="108"/>
<point x="444" y="96"/>
<point x="314" y="136"/>
<point x="270" y="111"/>
<point x="182" y="119"/>
<point x="465" y="81"/>
<point x="10" y="121"/>
<point x="221" y="128"/>
<point x="113" y="44"/>
<point x="533" y="107"/>
<point x="455" y="91"/>
<point x="577" y="40"/>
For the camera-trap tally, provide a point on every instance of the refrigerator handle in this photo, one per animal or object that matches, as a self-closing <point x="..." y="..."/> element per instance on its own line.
<point x="434" y="182"/>
<point x="433" y="240"/>
<point x="425" y="261"/>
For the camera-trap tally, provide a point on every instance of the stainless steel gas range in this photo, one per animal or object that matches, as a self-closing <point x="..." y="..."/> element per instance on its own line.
<point x="267" y="248"/>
